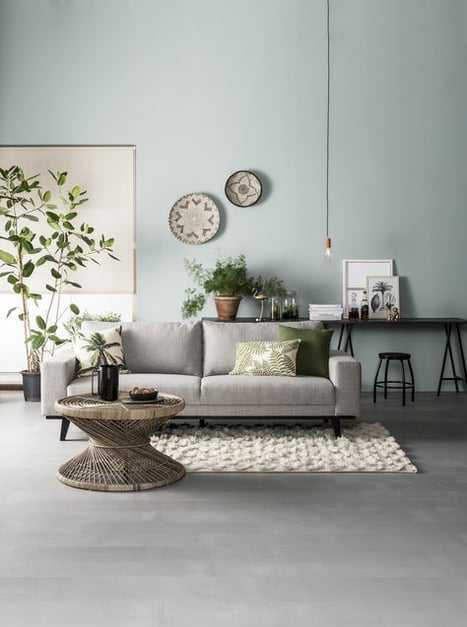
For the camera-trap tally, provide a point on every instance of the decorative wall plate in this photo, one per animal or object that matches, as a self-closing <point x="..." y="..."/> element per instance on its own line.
<point x="194" y="219"/>
<point x="243" y="188"/>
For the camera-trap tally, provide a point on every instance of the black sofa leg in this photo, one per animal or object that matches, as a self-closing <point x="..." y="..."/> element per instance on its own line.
<point x="336" y="425"/>
<point x="202" y="422"/>
<point x="64" y="429"/>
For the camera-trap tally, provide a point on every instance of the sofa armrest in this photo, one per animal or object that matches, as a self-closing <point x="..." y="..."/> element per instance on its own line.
<point x="56" y="373"/>
<point x="345" y="373"/>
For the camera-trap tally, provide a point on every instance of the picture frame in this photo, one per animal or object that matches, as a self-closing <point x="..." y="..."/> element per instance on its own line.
<point x="382" y="292"/>
<point x="354" y="277"/>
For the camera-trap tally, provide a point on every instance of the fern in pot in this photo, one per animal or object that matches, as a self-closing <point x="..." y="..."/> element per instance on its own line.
<point x="228" y="281"/>
<point x="41" y="229"/>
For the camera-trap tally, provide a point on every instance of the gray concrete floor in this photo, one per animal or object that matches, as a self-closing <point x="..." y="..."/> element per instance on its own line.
<point x="214" y="550"/>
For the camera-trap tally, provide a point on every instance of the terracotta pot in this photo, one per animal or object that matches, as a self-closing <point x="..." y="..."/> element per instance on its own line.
<point x="227" y="306"/>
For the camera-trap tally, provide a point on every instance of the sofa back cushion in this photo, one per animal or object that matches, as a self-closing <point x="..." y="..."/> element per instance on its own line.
<point x="220" y="340"/>
<point x="163" y="347"/>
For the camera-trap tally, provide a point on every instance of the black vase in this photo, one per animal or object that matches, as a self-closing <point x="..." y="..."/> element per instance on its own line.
<point x="107" y="382"/>
<point x="31" y="386"/>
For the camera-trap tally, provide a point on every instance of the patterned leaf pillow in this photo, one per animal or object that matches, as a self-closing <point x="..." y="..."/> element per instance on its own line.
<point x="95" y="349"/>
<point x="266" y="358"/>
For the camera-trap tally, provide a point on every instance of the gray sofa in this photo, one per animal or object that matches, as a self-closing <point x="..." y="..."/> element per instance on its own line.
<point x="193" y="359"/>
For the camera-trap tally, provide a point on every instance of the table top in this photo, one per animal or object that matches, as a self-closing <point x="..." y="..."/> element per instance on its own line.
<point x="89" y="406"/>
<point x="343" y="321"/>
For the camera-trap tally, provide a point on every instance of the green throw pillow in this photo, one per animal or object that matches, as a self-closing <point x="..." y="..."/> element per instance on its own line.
<point x="100" y="347"/>
<point x="266" y="358"/>
<point x="313" y="354"/>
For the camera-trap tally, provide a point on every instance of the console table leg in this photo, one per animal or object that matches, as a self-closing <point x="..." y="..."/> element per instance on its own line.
<point x="461" y="352"/>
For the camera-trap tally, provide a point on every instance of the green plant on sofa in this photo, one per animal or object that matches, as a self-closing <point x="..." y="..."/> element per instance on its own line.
<point x="228" y="277"/>
<point x="40" y="231"/>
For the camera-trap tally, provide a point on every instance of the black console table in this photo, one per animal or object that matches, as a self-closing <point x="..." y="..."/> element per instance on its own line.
<point x="451" y="328"/>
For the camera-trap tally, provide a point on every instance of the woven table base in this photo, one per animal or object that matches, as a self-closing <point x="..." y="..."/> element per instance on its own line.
<point x="120" y="470"/>
<point x="119" y="456"/>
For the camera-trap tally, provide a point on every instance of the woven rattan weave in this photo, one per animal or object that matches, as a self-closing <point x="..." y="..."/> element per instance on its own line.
<point x="119" y="456"/>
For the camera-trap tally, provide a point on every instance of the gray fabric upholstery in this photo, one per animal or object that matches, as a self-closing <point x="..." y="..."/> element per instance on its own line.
<point x="165" y="347"/>
<point x="227" y="334"/>
<point x="248" y="390"/>
<point x="186" y="386"/>
<point x="56" y="374"/>
<point x="169" y="357"/>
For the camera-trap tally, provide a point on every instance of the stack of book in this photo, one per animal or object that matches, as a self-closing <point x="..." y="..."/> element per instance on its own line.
<point x="325" y="312"/>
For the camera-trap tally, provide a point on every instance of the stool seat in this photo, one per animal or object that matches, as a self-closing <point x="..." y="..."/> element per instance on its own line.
<point x="389" y="355"/>
<point x="386" y="383"/>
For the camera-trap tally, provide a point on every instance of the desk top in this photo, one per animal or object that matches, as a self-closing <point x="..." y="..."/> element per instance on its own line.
<point x="373" y="321"/>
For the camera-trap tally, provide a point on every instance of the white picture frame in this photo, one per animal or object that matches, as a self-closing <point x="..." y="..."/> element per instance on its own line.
<point x="354" y="277"/>
<point x="382" y="292"/>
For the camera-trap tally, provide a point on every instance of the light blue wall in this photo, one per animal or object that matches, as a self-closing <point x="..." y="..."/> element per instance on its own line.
<point x="206" y="87"/>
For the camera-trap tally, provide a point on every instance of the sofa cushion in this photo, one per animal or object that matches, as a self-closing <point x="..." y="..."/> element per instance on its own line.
<point x="165" y="347"/>
<point x="245" y="390"/>
<point x="98" y="347"/>
<point x="313" y="353"/>
<point x="186" y="386"/>
<point x="266" y="358"/>
<point x="221" y="338"/>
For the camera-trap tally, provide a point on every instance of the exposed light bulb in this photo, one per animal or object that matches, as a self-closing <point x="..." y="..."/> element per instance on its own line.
<point x="327" y="248"/>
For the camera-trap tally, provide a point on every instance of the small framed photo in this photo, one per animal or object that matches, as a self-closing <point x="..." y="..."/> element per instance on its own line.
<point x="383" y="294"/>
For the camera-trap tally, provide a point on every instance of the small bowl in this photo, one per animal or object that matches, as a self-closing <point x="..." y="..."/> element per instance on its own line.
<point x="148" y="396"/>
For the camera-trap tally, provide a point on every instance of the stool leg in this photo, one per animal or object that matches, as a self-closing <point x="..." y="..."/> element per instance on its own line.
<point x="403" y="381"/>
<point x="386" y="379"/>
<point x="413" y="380"/>
<point x="376" y="380"/>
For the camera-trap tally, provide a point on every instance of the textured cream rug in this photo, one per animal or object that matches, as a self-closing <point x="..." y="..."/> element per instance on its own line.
<point x="363" y="447"/>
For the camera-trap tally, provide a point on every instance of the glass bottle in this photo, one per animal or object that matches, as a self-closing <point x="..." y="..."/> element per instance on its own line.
<point x="275" y="308"/>
<point x="353" y="307"/>
<point x="364" y="306"/>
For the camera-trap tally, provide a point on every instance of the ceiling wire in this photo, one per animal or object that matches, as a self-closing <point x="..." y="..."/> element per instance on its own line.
<point x="327" y="119"/>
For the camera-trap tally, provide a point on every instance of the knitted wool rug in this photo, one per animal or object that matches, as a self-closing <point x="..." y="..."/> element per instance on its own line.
<point x="363" y="447"/>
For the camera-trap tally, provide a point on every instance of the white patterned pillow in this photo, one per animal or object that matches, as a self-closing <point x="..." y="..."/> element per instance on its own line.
<point x="266" y="358"/>
<point x="97" y="348"/>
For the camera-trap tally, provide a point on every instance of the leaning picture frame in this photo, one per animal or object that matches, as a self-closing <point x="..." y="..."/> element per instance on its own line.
<point x="354" y="277"/>
<point x="383" y="296"/>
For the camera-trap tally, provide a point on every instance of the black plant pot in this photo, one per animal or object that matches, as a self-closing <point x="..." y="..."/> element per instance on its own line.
<point x="31" y="385"/>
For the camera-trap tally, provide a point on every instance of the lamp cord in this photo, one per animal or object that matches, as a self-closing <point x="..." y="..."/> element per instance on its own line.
<point x="327" y="121"/>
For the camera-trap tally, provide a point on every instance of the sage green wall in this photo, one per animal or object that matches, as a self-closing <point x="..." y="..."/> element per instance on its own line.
<point x="206" y="87"/>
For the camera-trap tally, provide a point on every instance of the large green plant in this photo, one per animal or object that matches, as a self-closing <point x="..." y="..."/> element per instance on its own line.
<point x="228" y="277"/>
<point x="40" y="229"/>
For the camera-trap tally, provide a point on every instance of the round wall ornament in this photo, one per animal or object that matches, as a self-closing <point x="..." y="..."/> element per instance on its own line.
<point x="243" y="188"/>
<point x="194" y="218"/>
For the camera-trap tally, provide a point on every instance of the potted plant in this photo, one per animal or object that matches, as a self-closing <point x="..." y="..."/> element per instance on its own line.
<point x="41" y="232"/>
<point x="228" y="281"/>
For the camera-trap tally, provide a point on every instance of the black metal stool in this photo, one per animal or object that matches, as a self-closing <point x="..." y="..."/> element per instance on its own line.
<point x="392" y="384"/>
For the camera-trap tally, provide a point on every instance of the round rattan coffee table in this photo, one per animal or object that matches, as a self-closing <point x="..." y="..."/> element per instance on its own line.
<point x="119" y="456"/>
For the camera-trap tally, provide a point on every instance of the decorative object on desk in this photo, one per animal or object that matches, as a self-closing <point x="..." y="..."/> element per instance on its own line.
<point x="363" y="447"/>
<point x="228" y="281"/>
<point x="261" y="296"/>
<point x="354" y="277"/>
<point x="40" y="233"/>
<point x="385" y="296"/>
<point x="354" y="305"/>
<point x="290" y="306"/>
<point x="194" y="219"/>
<point x="395" y="315"/>
<point x="243" y="188"/>
<point x="364" y="307"/>
<point x="274" y="289"/>
<point x="325" y="312"/>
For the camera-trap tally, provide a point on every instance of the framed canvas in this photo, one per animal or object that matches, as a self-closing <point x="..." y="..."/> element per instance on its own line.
<point x="383" y="294"/>
<point x="354" y="278"/>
